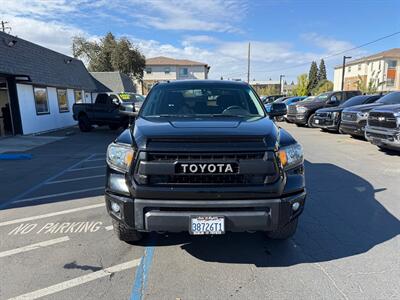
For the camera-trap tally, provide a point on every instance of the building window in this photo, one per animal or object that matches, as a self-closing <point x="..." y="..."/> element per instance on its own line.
<point x="41" y="100"/>
<point x="62" y="99"/>
<point x="392" y="64"/>
<point x="148" y="70"/>
<point x="359" y="67"/>
<point x="78" y="97"/>
<point x="349" y="69"/>
<point x="183" y="71"/>
<point x="167" y="70"/>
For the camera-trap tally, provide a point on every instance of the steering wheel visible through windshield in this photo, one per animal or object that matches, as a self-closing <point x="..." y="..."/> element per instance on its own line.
<point x="202" y="101"/>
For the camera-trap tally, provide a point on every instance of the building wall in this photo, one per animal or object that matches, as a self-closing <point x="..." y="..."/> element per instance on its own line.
<point x="33" y="123"/>
<point x="158" y="73"/>
<point x="371" y="70"/>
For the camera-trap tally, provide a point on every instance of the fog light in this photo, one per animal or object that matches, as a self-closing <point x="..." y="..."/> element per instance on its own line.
<point x="295" y="206"/>
<point x="115" y="207"/>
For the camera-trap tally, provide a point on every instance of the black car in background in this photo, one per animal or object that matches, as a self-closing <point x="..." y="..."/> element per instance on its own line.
<point x="354" y="119"/>
<point x="302" y="113"/>
<point x="329" y="118"/>
<point x="383" y="127"/>
<point x="270" y="99"/>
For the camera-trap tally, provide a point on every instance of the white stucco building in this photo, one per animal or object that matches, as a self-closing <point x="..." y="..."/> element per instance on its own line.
<point x="383" y="68"/>
<point x="164" y="68"/>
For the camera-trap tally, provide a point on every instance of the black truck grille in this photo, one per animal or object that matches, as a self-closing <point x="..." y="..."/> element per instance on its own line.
<point x="382" y="119"/>
<point x="292" y="110"/>
<point x="349" y="116"/>
<point x="207" y="178"/>
<point x="322" y="115"/>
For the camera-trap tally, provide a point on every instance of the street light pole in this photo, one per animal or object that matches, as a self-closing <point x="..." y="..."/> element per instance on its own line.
<point x="248" y="64"/>
<point x="280" y="83"/>
<point x="343" y="69"/>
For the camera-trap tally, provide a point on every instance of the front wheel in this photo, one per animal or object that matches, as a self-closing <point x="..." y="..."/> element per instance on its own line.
<point x="126" y="234"/>
<point x="310" y="121"/>
<point x="84" y="123"/>
<point x="284" y="232"/>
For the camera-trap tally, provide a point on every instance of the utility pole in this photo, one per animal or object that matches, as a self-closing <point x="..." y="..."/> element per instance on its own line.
<point x="248" y="65"/>
<point x="4" y="27"/>
<point x="280" y="83"/>
<point x="343" y="69"/>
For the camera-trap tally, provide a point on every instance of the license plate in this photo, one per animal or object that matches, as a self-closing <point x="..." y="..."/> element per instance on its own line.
<point x="316" y="121"/>
<point x="207" y="225"/>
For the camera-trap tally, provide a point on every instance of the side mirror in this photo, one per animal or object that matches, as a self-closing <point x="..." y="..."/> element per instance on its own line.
<point x="277" y="110"/>
<point x="115" y="101"/>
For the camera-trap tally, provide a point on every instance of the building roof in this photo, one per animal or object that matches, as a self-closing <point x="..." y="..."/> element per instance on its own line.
<point x="265" y="82"/>
<point x="167" y="61"/>
<point x="42" y="65"/>
<point x="391" y="53"/>
<point x="113" y="81"/>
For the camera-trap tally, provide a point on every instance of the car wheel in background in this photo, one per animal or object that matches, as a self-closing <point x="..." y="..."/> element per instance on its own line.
<point x="84" y="123"/>
<point x="310" y="121"/>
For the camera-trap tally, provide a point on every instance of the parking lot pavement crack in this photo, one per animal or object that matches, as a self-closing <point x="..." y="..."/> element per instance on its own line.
<point x="332" y="280"/>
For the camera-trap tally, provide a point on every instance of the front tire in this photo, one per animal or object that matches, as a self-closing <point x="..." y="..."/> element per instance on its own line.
<point x="310" y="121"/>
<point x="126" y="234"/>
<point x="284" y="232"/>
<point x="84" y="123"/>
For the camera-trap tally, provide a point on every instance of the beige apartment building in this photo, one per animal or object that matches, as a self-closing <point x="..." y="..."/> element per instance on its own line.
<point x="164" y="68"/>
<point x="381" y="69"/>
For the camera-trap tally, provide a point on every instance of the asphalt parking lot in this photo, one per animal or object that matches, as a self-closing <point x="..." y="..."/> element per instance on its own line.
<point x="57" y="243"/>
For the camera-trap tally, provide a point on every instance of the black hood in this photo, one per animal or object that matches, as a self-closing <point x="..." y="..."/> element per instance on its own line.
<point x="364" y="107"/>
<point x="183" y="132"/>
<point x="311" y="104"/>
<point x="393" y="108"/>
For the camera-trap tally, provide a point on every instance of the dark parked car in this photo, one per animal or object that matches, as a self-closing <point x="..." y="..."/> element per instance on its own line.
<point x="383" y="127"/>
<point x="354" y="119"/>
<point x="329" y="118"/>
<point x="302" y="113"/>
<point x="270" y="99"/>
<point x="204" y="157"/>
<point x="105" y="111"/>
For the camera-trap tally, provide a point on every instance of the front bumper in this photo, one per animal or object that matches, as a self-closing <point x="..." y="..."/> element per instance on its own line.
<point x="297" y="118"/>
<point x="353" y="128"/>
<point x="174" y="215"/>
<point x="383" y="137"/>
<point x="325" y="123"/>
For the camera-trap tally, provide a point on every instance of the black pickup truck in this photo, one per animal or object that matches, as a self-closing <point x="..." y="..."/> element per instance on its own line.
<point x="302" y="113"/>
<point x="204" y="157"/>
<point x="108" y="109"/>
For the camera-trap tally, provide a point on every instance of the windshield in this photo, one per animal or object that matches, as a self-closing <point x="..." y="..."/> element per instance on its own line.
<point x="281" y="99"/>
<point x="140" y="98"/>
<point x="354" y="101"/>
<point x="392" y="98"/>
<point x="322" y="97"/>
<point x="202" y="101"/>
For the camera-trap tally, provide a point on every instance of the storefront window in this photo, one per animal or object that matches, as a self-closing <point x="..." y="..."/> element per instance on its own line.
<point x="62" y="98"/>
<point x="78" y="97"/>
<point x="41" y="100"/>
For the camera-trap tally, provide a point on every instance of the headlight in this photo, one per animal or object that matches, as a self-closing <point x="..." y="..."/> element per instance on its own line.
<point x="334" y="114"/>
<point x="119" y="157"/>
<point x="301" y="109"/>
<point x="362" y="115"/>
<point x="291" y="156"/>
<point x="397" y="115"/>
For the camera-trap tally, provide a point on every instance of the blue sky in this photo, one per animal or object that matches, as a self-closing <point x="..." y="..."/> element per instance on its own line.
<point x="283" y="34"/>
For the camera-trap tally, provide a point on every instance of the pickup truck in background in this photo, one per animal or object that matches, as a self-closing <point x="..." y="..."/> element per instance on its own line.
<point x="106" y="110"/>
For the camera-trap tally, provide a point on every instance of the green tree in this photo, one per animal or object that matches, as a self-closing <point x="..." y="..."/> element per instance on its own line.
<point x="371" y="86"/>
<point x="302" y="86"/>
<point x="110" y="54"/>
<point x="322" y="87"/>
<point x="312" y="76"/>
<point x="322" y="71"/>
<point x="267" y="90"/>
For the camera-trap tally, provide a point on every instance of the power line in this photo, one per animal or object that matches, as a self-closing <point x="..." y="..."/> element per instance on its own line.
<point x="326" y="57"/>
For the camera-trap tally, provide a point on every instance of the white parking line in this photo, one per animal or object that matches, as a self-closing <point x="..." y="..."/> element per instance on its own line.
<point x="75" y="179"/>
<point x="78" y="281"/>
<point x="108" y="228"/>
<point x="86" y="168"/>
<point x="34" y="246"/>
<point x="57" y="213"/>
<point x="59" y="194"/>
<point x="97" y="159"/>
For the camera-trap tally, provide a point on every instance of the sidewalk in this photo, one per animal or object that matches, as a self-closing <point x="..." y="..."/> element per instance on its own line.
<point x="25" y="143"/>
